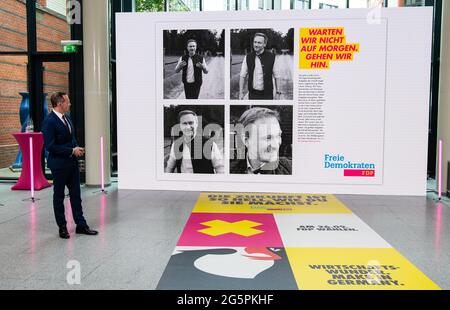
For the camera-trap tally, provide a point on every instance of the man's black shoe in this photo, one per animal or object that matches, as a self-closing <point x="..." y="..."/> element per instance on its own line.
<point x="85" y="230"/>
<point x="63" y="233"/>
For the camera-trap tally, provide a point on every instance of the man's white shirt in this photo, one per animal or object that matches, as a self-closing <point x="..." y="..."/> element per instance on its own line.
<point x="190" y="78"/>
<point x="60" y="116"/>
<point x="258" y="74"/>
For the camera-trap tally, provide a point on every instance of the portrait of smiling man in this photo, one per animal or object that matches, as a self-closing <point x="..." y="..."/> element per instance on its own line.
<point x="260" y="134"/>
<point x="192" y="152"/>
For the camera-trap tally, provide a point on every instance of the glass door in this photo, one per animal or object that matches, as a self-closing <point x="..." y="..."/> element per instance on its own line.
<point x="55" y="78"/>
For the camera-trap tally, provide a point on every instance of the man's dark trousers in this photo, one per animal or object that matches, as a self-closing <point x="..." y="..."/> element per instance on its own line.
<point x="71" y="179"/>
<point x="192" y="90"/>
<point x="259" y="95"/>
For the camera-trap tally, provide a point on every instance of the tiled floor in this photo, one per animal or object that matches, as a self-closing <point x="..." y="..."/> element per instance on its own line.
<point x="139" y="230"/>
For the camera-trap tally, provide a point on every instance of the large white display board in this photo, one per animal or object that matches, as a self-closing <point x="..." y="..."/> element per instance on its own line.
<point x="350" y="90"/>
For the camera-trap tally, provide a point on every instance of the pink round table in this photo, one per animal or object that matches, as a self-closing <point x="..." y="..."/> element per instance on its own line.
<point x="24" y="183"/>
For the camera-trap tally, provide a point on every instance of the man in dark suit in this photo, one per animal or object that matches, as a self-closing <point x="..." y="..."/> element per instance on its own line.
<point x="193" y="67"/>
<point x="63" y="149"/>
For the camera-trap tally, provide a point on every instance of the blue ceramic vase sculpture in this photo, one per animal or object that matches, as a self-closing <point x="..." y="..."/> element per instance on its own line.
<point x="24" y="114"/>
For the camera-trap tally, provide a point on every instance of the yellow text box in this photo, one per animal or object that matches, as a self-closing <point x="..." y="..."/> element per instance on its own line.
<point x="268" y="203"/>
<point x="355" y="269"/>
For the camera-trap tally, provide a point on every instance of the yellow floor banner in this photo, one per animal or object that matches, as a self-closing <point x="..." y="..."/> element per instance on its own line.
<point x="268" y="203"/>
<point x="355" y="269"/>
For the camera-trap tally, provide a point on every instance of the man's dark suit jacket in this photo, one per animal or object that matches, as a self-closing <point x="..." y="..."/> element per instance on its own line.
<point x="59" y="142"/>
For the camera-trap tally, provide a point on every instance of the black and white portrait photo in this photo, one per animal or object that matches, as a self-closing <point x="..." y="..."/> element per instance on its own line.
<point x="261" y="140"/>
<point x="193" y="139"/>
<point x="262" y="64"/>
<point x="194" y="64"/>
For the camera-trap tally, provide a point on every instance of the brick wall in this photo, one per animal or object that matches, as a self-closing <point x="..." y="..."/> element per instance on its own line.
<point x="13" y="79"/>
<point x="13" y="27"/>
<point x="8" y="152"/>
<point x="51" y="28"/>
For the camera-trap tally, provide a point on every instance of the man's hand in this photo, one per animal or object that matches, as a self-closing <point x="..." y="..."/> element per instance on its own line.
<point x="199" y="65"/>
<point x="78" y="151"/>
<point x="183" y="64"/>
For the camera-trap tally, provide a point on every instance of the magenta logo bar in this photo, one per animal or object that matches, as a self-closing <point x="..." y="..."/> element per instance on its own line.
<point x="358" y="173"/>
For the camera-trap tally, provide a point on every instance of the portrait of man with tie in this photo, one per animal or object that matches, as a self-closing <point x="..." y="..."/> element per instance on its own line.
<point x="262" y="64"/>
<point x="261" y="143"/>
<point x="194" y="64"/>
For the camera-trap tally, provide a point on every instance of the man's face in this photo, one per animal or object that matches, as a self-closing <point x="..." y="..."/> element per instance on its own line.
<point x="192" y="47"/>
<point x="65" y="105"/>
<point x="188" y="125"/>
<point x="259" y="44"/>
<point x="264" y="140"/>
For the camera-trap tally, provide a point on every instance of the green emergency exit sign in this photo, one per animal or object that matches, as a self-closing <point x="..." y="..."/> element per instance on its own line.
<point x="70" y="48"/>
